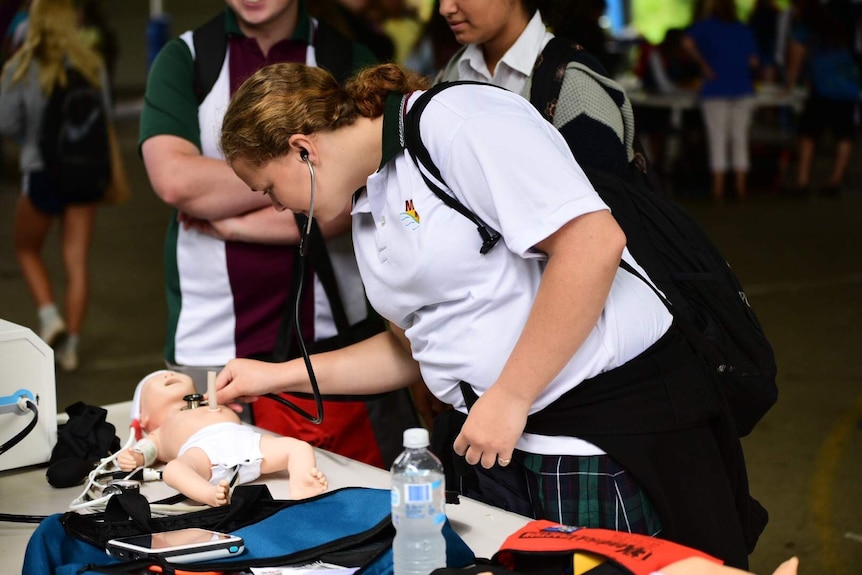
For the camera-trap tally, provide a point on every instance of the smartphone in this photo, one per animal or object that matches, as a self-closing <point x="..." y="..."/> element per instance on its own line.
<point x="179" y="546"/>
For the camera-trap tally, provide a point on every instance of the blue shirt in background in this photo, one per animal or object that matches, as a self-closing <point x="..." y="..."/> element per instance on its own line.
<point x="727" y="47"/>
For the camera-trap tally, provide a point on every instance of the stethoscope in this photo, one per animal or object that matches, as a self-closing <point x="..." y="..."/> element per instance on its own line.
<point x="303" y="252"/>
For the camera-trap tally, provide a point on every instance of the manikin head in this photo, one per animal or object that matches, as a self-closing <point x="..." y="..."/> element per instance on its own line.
<point x="162" y="393"/>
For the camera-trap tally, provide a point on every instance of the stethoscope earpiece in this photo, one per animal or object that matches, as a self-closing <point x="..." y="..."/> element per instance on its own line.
<point x="303" y="241"/>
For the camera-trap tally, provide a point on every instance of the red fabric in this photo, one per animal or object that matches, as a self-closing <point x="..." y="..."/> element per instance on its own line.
<point x="640" y="554"/>
<point x="346" y="427"/>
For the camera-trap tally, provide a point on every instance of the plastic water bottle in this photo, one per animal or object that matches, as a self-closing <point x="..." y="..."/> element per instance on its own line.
<point x="418" y="507"/>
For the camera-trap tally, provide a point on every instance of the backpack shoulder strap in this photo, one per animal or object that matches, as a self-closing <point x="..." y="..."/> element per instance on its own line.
<point x="210" y="42"/>
<point x="422" y="158"/>
<point x="550" y="69"/>
<point x="334" y="51"/>
<point x="547" y="80"/>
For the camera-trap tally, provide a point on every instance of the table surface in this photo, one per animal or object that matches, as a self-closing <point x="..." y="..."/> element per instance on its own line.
<point x="26" y="491"/>
<point x="767" y="95"/>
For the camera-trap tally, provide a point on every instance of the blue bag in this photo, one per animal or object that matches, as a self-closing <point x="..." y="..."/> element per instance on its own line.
<point x="351" y="526"/>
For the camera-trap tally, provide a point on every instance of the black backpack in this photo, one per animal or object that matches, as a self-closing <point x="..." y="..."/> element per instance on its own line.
<point x="74" y="139"/>
<point x="702" y="292"/>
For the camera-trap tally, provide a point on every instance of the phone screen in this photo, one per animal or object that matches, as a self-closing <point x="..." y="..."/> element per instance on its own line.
<point x="178" y="538"/>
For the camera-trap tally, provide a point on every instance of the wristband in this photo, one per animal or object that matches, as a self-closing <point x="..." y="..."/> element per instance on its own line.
<point x="148" y="449"/>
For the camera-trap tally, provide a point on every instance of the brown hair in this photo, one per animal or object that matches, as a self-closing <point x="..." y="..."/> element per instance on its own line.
<point x="53" y="38"/>
<point x="281" y="100"/>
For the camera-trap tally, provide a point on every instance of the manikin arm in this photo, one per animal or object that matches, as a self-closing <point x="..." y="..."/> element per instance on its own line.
<point x="129" y="459"/>
<point x="132" y="458"/>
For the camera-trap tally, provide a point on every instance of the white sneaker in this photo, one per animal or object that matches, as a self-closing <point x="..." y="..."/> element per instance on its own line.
<point x="67" y="357"/>
<point x="51" y="333"/>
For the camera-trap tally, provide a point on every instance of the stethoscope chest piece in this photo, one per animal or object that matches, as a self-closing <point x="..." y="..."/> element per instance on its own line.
<point x="194" y="400"/>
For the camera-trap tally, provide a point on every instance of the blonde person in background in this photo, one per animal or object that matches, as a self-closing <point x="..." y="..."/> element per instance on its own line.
<point x="52" y="47"/>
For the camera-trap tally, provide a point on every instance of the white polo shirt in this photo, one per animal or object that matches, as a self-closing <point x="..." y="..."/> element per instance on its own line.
<point x="516" y="65"/>
<point x="463" y="311"/>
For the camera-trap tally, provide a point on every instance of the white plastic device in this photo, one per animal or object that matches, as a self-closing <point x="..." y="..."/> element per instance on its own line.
<point x="179" y="546"/>
<point x="28" y="371"/>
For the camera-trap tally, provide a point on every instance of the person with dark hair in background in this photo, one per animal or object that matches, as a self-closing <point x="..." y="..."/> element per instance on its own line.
<point x="230" y="288"/>
<point x="351" y="19"/>
<point x="581" y="21"/>
<point x="767" y="22"/>
<point x="435" y="46"/>
<point x="15" y="27"/>
<point x="504" y="40"/>
<point x="31" y="75"/>
<point x="820" y="54"/>
<point x="666" y="68"/>
<point x="98" y="34"/>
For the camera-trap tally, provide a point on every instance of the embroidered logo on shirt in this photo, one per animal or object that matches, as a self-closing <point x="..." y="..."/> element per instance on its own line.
<point x="410" y="217"/>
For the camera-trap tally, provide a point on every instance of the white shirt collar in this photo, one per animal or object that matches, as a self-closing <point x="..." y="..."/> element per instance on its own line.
<point x="517" y="63"/>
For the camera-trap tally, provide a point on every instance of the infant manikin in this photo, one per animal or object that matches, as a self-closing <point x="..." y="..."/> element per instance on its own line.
<point x="203" y="446"/>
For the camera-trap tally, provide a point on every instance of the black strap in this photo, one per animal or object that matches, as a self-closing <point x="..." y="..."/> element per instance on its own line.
<point x="694" y="335"/>
<point x="284" y="339"/>
<point x="325" y="273"/>
<point x="334" y="51"/>
<point x="132" y="506"/>
<point x="549" y="71"/>
<point x="547" y="80"/>
<point x="323" y="268"/>
<point x="422" y="158"/>
<point x="210" y="42"/>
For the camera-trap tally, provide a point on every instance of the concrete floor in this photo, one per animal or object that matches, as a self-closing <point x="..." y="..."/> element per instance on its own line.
<point x="798" y="259"/>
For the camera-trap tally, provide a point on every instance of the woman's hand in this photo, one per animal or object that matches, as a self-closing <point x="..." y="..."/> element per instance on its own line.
<point x="494" y="424"/>
<point x="244" y="380"/>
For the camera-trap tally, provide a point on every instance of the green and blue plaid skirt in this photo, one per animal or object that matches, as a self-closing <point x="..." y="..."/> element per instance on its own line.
<point x="589" y="491"/>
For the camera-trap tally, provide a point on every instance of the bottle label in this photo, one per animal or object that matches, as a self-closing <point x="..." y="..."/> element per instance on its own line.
<point x="418" y="493"/>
